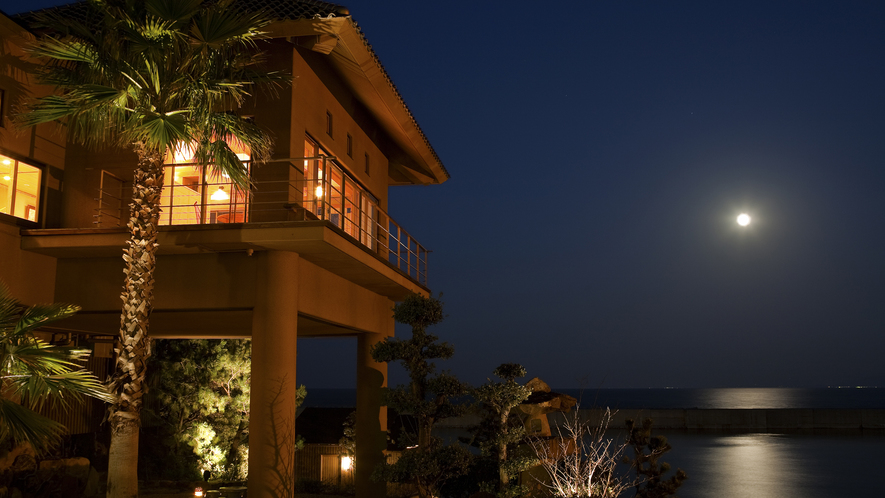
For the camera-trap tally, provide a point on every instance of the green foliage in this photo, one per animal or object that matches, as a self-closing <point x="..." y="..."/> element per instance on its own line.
<point x="429" y="467"/>
<point x="348" y="440"/>
<point x="202" y="393"/>
<point x="419" y="312"/>
<point x="647" y="451"/>
<point x="428" y="397"/>
<point x="499" y="432"/>
<point x="35" y="373"/>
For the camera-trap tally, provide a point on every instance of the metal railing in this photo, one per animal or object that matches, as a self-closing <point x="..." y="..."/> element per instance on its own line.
<point x="333" y="197"/>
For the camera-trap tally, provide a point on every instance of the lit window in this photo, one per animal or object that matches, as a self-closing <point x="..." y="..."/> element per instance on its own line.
<point x="330" y="193"/>
<point x="193" y="196"/>
<point x="19" y="188"/>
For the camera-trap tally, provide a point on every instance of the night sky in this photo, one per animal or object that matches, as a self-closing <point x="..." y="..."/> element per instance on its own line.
<point x="600" y="153"/>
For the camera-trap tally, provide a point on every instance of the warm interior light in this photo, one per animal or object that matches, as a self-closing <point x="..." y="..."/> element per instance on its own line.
<point x="319" y="191"/>
<point x="220" y="195"/>
<point x="183" y="154"/>
<point x="346" y="463"/>
<point x="7" y="177"/>
<point x="7" y="161"/>
<point x="198" y="492"/>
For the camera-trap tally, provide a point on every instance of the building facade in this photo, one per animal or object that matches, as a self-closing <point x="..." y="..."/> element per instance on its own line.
<point x="310" y="251"/>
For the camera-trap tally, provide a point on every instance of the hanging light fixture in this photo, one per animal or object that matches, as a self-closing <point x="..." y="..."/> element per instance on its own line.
<point x="319" y="191"/>
<point x="220" y="195"/>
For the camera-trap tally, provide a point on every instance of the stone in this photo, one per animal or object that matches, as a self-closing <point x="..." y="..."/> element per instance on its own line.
<point x="93" y="484"/>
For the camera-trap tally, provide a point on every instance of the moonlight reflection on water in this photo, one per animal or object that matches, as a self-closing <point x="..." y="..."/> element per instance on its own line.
<point x="775" y="465"/>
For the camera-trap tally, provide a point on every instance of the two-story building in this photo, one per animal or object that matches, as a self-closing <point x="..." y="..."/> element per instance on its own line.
<point x="310" y="251"/>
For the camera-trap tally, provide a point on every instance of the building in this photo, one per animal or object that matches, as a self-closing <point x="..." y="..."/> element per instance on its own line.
<point x="311" y="251"/>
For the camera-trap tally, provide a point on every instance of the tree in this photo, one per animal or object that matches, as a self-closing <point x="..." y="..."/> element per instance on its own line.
<point x="34" y="372"/>
<point x="428" y="397"/>
<point x="650" y="482"/>
<point x="580" y="462"/>
<point x="153" y="76"/>
<point x="498" y="433"/>
<point x="202" y="390"/>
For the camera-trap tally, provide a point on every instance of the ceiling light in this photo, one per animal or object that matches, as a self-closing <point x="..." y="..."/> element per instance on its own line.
<point x="220" y="195"/>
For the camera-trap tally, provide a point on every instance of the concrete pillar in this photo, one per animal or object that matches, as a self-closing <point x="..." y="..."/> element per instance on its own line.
<point x="274" y="346"/>
<point x="371" y="417"/>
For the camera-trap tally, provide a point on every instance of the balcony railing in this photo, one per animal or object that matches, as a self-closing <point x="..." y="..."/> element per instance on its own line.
<point x="282" y="192"/>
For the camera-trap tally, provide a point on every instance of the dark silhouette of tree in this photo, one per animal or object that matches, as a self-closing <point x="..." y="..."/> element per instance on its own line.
<point x="647" y="451"/>
<point x="428" y="397"/>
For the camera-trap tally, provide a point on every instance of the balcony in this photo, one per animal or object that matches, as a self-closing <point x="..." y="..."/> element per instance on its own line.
<point x="319" y="192"/>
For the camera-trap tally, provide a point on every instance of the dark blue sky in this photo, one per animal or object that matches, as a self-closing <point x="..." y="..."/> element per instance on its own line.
<point x="599" y="155"/>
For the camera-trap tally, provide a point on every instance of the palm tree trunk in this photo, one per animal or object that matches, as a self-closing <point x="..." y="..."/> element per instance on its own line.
<point x="134" y="346"/>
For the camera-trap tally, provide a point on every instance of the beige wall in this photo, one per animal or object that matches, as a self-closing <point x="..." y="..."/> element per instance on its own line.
<point x="223" y="281"/>
<point x="41" y="146"/>
<point x="317" y="90"/>
<point x="29" y="276"/>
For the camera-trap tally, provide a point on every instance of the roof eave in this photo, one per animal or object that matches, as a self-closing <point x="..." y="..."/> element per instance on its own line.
<point x="341" y="39"/>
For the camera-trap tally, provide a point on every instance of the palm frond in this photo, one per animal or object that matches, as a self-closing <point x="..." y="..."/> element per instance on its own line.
<point x="60" y="389"/>
<point x="9" y="310"/>
<point x="42" y="314"/>
<point x="25" y="354"/>
<point x="179" y="11"/>
<point x="24" y="425"/>
<point x="157" y="72"/>
<point x="161" y="131"/>
<point x="67" y="49"/>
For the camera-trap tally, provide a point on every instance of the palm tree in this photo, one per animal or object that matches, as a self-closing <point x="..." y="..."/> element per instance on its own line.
<point x="153" y="75"/>
<point x="33" y="372"/>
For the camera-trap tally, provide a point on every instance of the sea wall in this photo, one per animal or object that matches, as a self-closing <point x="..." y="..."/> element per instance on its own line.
<point x="779" y="420"/>
<point x="742" y="420"/>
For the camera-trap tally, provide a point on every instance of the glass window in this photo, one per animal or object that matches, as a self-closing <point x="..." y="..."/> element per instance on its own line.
<point x="331" y="194"/>
<point x="193" y="196"/>
<point x="19" y="188"/>
<point x="313" y="189"/>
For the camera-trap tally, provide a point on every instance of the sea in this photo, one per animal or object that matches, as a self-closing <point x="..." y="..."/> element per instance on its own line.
<point x="746" y="465"/>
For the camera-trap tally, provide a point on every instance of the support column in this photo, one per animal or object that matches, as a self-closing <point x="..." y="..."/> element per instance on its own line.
<point x="274" y="347"/>
<point x="371" y="417"/>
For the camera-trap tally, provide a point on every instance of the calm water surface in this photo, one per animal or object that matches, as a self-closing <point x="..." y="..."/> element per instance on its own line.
<point x="778" y="466"/>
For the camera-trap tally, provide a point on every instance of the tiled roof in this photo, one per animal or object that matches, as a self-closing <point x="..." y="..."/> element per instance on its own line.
<point x="294" y="9"/>
<point x="399" y="96"/>
<point x="277" y="10"/>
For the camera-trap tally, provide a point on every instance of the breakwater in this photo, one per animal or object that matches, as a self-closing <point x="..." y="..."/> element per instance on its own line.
<point x="777" y="420"/>
<point x="745" y="420"/>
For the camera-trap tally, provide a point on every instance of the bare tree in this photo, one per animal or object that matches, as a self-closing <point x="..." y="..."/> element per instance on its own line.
<point x="580" y="461"/>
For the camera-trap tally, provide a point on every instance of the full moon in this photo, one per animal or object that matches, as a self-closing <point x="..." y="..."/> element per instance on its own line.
<point x="743" y="219"/>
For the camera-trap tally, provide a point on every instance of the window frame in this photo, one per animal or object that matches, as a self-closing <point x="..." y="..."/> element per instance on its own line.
<point x="13" y="186"/>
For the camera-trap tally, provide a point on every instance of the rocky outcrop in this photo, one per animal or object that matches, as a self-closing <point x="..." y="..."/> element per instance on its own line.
<point x="23" y="475"/>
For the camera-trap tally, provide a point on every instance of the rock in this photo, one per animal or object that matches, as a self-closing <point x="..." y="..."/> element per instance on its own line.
<point x="538" y="385"/>
<point x="24" y="464"/>
<point x="93" y="484"/>
<point x="77" y="468"/>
